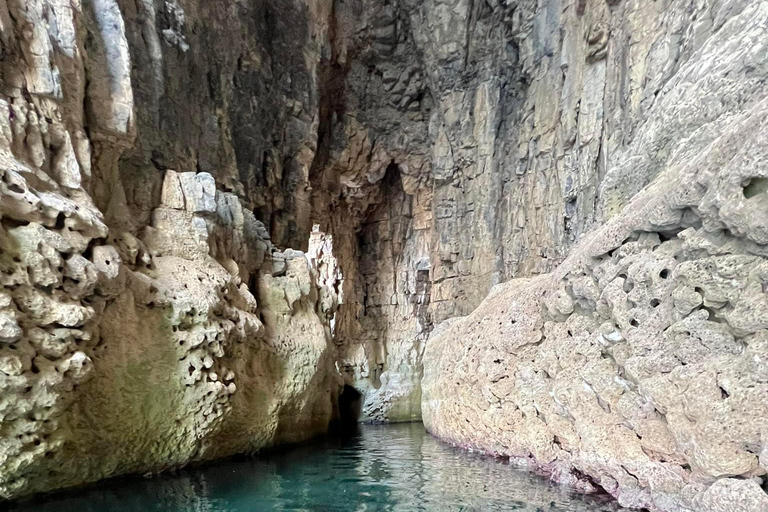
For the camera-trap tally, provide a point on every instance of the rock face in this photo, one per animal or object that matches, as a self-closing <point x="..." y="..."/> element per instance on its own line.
<point x="146" y="319"/>
<point x="476" y="142"/>
<point x="215" y="214"/>
<point x="640" y="364"/>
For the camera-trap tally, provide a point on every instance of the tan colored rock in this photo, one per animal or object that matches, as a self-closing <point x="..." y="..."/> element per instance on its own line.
<point x="443" y="147"/>
<point x="182" y="329"/>
<point x="172" y="194"/>
<point x="157" y="316"/>
<point x="654" y="394"/>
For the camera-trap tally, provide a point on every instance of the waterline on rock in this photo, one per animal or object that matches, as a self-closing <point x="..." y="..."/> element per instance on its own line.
<point x="375" y="468"/>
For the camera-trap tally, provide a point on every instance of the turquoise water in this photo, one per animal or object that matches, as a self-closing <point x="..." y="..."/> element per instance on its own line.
<point x="396" y="468"/>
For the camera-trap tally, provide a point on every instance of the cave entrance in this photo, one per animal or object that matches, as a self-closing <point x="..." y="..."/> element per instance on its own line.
<point x="350" y="406"/>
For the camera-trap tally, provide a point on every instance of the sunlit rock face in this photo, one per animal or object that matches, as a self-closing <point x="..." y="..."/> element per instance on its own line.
<point x="214" y="215"/>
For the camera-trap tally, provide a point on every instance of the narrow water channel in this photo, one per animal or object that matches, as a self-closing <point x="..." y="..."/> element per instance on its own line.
<point x="398" y="468"/>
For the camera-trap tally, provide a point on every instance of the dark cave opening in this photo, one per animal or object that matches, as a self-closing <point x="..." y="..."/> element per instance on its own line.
<point x="350" y="406"/>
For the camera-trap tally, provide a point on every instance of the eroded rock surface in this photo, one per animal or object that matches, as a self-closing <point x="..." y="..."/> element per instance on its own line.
<point x="215" y="214"/>
<point x="194" y="340"/>
<point x="477" y="141"/>
<point x="639" y="365"/>
<point x="146" y="318"/>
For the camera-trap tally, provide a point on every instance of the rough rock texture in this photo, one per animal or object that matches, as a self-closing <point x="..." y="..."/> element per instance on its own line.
<point x="133" y="354"/>
<point x="641" y="363"/>
<point x="471" y="142"/>
<point x="163" y="162"/>
<point x="146" y="319"/>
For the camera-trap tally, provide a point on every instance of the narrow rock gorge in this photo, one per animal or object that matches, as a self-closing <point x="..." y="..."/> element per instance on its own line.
<point x="539" y="226"/>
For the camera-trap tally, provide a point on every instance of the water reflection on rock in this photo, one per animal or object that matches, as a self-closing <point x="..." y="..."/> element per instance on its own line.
<point x="380" y="468"/>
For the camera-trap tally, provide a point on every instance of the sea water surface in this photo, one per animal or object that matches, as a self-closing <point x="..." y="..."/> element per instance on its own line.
<point x="398" y="468"/>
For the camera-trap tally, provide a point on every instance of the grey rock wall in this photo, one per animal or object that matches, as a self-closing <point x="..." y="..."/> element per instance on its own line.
<point x="515" y="128"/>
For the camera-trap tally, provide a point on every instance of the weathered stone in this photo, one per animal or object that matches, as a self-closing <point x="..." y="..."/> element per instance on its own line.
<point x="199" y="191"/>
<point x="9" y="329"/>
<point x="172" y="194"/>
<point x="98" y="323"/>
<point x="447" y="151"/>
<point x="669" y="409"/>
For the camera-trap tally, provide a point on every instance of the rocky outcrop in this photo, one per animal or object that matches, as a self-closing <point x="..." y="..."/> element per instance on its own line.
<point x="639" y="365"/>
<point x="146" y="319"/>
<point x="195" y="340"/>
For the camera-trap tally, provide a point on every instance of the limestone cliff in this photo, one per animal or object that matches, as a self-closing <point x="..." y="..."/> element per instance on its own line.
<point x="164" y="162"/>
<point x="472" y="142"/>
<point x="639" y="365"/>
<point x="146" y="319"/>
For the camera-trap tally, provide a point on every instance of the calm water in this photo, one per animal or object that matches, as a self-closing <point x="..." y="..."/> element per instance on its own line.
<point x="395" y="468"/>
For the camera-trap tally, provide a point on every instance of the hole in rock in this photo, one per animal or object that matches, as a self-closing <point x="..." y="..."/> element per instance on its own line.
<point x="754" y="187"/>
<point x="14" y="223"/>
<point x="712" y="315"/>
<point x="350" y="406"/>
<point x="666" y="236"/>
<point x="60" y="221"/>
<point x="253" y="284"/>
